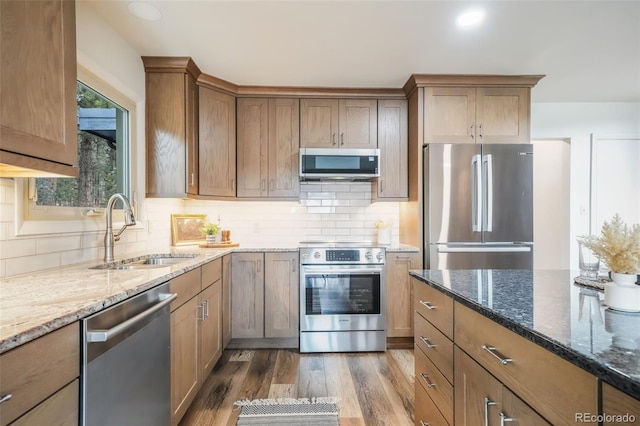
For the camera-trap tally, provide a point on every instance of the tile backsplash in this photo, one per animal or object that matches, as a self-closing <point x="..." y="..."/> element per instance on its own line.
<point x="326" y="211"/>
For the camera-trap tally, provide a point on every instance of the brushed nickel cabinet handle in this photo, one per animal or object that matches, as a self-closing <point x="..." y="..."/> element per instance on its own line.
<point x="259" y="266"/>
<point x="206" y="310"/>
<point x="480" y="136"/>
<point x="5" y="398"/>
<point x="333" y="138"/>
<point x="497" y="355"/>
<point x="427" y="305"/>
<point x="473" y="134"/>
<point x="263" y="185"/>
<point x="293" y="266"/>
<point x="381" y="185"/>
<point x="233" y="184"/>
<point x="201" y="312"/>
<point x="193" y="179"/>
<point x="271" y="185"/>
<point x="341" y="138"/>
<point x="427" y="342"/>
<point x="504" y="419"/>
<point x="428" y="381"/>
<point x="402" y="257"/>
<point x="487" y="403"/>
<point x="423" y="423"/>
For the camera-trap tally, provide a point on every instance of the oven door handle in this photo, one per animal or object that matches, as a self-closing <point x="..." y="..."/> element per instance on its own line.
<point x="324" y="270"/>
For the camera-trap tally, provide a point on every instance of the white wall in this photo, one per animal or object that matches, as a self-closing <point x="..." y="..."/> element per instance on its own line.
<point x="576" y="122"/>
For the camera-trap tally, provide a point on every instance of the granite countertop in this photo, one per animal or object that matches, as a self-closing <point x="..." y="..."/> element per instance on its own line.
<point x="548" y="308"/>
<point x="32" y="305"/>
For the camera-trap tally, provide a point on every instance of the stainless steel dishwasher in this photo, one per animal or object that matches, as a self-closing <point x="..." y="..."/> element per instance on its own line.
<point x="126" y="376"/>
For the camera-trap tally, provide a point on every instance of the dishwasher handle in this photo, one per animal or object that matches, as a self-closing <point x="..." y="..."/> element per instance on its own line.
<point x="105" y="335"/>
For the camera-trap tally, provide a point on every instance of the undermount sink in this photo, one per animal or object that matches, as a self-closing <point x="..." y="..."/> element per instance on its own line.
<point x="147" y="262"/>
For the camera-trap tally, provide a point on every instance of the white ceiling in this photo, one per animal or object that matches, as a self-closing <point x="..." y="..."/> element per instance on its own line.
<point x="588" y="50"/>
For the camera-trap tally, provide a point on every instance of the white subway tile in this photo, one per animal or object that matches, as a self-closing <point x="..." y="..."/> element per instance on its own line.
<point x="321" y="209"/>
<point x="322" y="195"/>
<point x="337" y="187"/>
<point x="59" y="243"/>
<point x="335" y="231"/>
<point x="17" y="248"/>
<point x="23" y="265"/>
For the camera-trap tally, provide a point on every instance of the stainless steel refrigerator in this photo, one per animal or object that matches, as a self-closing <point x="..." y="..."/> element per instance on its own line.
<point x="478" y="206"/>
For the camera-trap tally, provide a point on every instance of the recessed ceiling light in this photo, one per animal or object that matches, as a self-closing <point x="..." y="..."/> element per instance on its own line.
<point x="470" y="18"/>
<point x="144" y="11"/>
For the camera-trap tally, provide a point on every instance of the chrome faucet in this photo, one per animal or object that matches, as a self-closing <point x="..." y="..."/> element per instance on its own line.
<point x="129" y="219"/>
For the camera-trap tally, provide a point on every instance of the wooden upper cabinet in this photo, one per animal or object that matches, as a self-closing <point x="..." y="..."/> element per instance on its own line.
<point x="172" y="134"/>
<point x="338" y="123"/>
<point x="394" y="144"/>
<point x="253" y="147"/>
<point x="477" y="115"/>
<point x="268" y="147"/>
<point x="38" y="120"/>
<point x="217" y="143"/>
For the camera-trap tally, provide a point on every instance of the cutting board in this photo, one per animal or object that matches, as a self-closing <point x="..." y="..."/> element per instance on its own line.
<point x="220" y="245"/>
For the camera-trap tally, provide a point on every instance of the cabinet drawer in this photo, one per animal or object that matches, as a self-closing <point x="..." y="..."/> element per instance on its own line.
<point x="554" y="387"/>
<point x="61" y="409"/>
<point x="435" y="345"/>
<point x="426" y="412"/>
<point x="186" y="286"/>
<point x="434" y="384"/>
<point x="36" y="370"/>
<point x="211" y="272"/>
<point x="616" y="402"/>
<point x="435" y="306"/>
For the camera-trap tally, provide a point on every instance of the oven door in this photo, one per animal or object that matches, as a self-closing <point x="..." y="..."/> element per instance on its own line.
<point x="341" y="298"/>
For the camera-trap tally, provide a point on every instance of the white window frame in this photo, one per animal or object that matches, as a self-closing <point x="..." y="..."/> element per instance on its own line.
<point x="40" y="220"/>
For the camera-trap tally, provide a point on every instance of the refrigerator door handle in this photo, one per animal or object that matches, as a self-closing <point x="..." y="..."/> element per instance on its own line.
<point x="484" y="249"/>
<point x="487" y="162"/>
<point x="476" y="193"/>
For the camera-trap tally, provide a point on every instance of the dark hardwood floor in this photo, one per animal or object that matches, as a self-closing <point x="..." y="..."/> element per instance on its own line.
<point x="373" y="388"/>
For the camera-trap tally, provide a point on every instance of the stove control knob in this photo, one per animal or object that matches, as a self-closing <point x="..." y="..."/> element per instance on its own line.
<point x="316" y="255"/>
<point x="379" y="256"/>
<point x="305" y="254"/>
<point x="368" y="255"/>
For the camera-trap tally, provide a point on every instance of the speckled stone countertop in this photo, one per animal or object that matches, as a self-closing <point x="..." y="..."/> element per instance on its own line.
<point x="32" y="305"/>
<point x="549" y="309"/>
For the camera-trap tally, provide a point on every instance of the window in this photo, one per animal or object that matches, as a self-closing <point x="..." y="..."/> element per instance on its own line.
<point x="102" y="160"/>
<point x="106" y="123"/>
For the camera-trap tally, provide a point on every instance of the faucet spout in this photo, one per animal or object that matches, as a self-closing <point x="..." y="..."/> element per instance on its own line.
<point x="129" y="219"/>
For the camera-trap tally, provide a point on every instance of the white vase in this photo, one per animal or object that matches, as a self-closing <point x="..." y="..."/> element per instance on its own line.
<point x="623" y="294"/>
<point x="211" y="239"/>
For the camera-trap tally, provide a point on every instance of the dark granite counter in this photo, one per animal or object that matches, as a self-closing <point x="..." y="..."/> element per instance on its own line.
<point x="549" y="309"/>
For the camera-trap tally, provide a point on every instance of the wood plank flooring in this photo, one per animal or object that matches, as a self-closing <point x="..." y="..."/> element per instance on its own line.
<point x="374" y="388"/>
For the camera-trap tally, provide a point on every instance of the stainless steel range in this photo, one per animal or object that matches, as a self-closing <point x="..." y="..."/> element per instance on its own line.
<point x="342" y="297"/>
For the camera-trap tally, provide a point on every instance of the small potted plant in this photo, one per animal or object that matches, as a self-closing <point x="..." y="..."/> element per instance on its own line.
<point x="210" y="232"/>
<point x="618" y="246"/>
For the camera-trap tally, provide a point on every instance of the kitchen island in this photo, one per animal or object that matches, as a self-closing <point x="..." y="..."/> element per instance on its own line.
<point x="567" y="321"/>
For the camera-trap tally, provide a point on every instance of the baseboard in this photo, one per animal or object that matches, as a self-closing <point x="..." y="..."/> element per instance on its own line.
<point x="272" y="343"/>
<point x="399" y="342"/>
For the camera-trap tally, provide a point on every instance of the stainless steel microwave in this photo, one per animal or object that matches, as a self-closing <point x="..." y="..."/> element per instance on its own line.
<point x="339" y="163"/>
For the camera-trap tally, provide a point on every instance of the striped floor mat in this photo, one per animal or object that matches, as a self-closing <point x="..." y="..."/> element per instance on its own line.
<point x="289" y="411"/>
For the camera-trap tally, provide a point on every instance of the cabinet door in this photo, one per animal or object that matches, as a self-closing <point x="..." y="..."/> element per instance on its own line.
<point x="284" y="147"/>
<point x="191" y="119"/>
<point x="226" y="300"/>
<point x="399" y="295"/>
<point x="618" y="403"/>
<point x="477" y="393"/>
<point x="185" y="352"/>
<point x="358" y="123"/>
<point x="166" y="143"/>
<point x="449" y="115"/>
<point x="217" y="143"/>
<point x="281" y="292"/>
<point x="247" y="298"/>
<point x="38" y="120"/>
<point x="319" y="123"/>
<point x="517" y="413"/>
<point x="393" y="143"/>
<point x="253" y="147"/>
<point x="210" y="327"/>
<point x="502" y="115"/>
<point x="61" y="409"/>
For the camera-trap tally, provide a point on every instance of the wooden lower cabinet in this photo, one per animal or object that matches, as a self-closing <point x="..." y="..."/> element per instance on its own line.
<point x="426" y="412"/>
<point x="210" y="328"/>
<point x="265" y="301"/>
<point x="35" y="371"/>
<point x="226" y="300"/>
<point x="618" y="407"/>
<point x="399" y="293"/>
<point x="481" y="397"/>
<point x="60" y="409"/>
<point x="196" y="333"/>
<point x="185" y="349"/>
